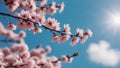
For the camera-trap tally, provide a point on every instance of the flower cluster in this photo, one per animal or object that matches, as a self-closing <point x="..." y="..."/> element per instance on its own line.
<point x="8" y="32"/>
<point x="79" y="36"/>
<point x="31" y="6"/>
<point x="18" y="56"/>
<point x="31" y="15"/>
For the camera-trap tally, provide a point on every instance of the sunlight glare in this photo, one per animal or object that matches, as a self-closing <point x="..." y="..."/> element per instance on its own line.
<point x="113" y="21"/>
<point x="116" y="20"/>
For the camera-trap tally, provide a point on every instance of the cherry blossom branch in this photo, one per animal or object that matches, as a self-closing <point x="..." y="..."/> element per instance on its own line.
<point x="9" y="41"/>
<point x="65" y="34"/>
<point x="74" y="55"/>
<point x="21" y="50"/>
<point x="60" y="59"/>
<point x="5" y="14"/>
<point x="31" y="16"/>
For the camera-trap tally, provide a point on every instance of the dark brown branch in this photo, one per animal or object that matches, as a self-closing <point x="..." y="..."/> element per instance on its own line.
<point x="74" y="55"/>
<point x="8" y="41"/>
<point x="51" y="30"/>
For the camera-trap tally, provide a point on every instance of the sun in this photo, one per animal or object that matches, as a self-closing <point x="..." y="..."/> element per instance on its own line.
<point x="115" y="20"/>
<point x="111" y="22"/>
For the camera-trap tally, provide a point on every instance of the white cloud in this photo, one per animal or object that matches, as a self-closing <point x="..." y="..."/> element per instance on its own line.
<point x="102" y="53"/>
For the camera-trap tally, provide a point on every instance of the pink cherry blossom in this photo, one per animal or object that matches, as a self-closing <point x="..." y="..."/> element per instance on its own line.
<point x="90" y="33"/>
<point x="35" y="52"/>
<point x="6" y="51"/>
<point x="31" y="7"/>
<point x="24" y="14"/>
<point x="36" y="30"/>
<point x="39" y="52"/>
<point x="24" y="55"/>
<point x="22" y="4"/>
<point x="11" y="26"/>
<point x="55" y="38"/>
<point x="67" y="29"/>
<point x="12" y="35"/>
<point x="57" y="26"/>
<point x="61" y="7"/>
<point x="70" y="60"/>
<point x="33" y="15"/>
<point x="25" y="25"/>
<point x="40" y="20"/>
<point x="48" y="65"/>
<point x="48" y="49"/>
<point x="3" y="31"/>
<point x="43" y="2"/>
<point x="52" y="9"/>
<point x="30" y="63"/>
<point x="14" y="47"/>
<point x="21" y="24"/>
<point x="38" y="10"/>
<point x="84" y="38"/>
<point x="64" y="58"/>
<point x="12" y="5"/>
<point x="23" y="47"/>
<point x="57" y="64"/>
<point x="74" y="40"/>
<point x="64" y="38"/>
<point x="10" y="59"/>
<point x="50" y="23"/>
<point x="22" y="34"/>
<point x="79" y="32"/>
<point x="53" y="5"/>
<point x="36" y="59"/>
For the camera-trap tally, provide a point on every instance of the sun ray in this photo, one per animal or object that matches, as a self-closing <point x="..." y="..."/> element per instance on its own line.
<point x="113" y="21"/>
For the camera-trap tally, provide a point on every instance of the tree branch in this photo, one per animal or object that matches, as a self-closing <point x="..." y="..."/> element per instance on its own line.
<point x="16" y="66"/>
<point x="51" y="30"/>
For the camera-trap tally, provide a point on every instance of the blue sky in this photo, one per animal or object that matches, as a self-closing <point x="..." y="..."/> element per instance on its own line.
<point x="91" y="14"/>
<point x="85" y="14"/>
